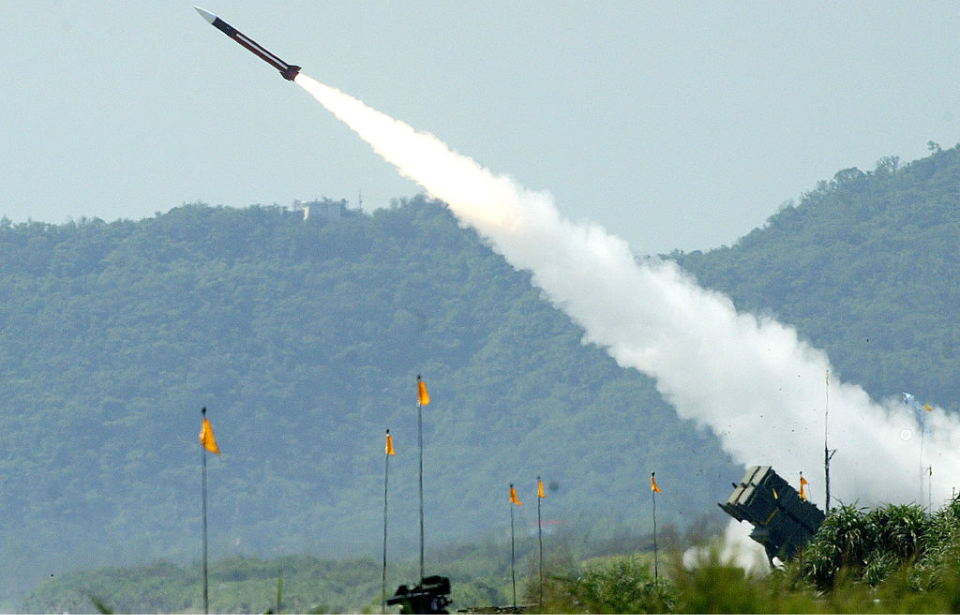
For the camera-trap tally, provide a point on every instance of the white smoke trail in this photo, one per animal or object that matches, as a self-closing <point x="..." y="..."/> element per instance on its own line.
<point x="751" y="380"/>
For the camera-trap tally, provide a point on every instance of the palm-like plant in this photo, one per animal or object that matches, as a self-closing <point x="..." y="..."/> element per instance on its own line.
<point x="865" y="546"/>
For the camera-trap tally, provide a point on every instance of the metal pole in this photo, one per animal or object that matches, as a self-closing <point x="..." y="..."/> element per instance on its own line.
<point x="420" y="443"/>
<point x="386" y="476"/>
<point x="513" y="572"/>
<point x="826" y="449"/>
<point x="656" y="556"/>
<point x="540" y="537"/>
<point x="923" y="423"/>
<point x="280" y="589"/>
<point x="206" y="595"/>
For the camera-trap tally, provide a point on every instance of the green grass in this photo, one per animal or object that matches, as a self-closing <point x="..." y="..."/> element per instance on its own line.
<point x="892" y="559"/>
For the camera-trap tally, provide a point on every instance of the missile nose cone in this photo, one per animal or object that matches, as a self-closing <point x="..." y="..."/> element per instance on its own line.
<point x="289" y="71"/>
<point x="210" y="17"/>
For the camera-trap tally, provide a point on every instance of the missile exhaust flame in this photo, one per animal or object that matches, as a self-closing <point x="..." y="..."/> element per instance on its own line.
<point x="750" y="379"/>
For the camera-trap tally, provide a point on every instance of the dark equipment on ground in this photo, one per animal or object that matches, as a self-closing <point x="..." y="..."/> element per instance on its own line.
<point x="428" y="597"/>
<point x="783" y="522"/>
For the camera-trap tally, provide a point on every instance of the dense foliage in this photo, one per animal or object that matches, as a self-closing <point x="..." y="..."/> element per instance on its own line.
<point x="617" y="585"/>
<point x="864" y="267"/>
<point x="890" y="559"/>
<point x="480" y="575"/>
<point x="869" y="546"/>
<point x="303" y="338"/>
<point x="238" y="585"/>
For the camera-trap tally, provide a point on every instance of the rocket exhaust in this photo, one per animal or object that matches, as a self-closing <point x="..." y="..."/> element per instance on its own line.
<point x="751" y="380"/>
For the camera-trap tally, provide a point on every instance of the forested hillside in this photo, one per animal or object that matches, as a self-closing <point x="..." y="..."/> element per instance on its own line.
<point x="865" y="266"/>
<point x="303" y="338"/>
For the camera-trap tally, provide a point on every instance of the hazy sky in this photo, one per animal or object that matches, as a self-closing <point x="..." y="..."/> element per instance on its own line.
<point x="674" y="125"/>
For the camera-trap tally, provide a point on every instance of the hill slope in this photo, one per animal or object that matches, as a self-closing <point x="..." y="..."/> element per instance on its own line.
<point x="866" y="267"/>
<point x="303" y="338"/>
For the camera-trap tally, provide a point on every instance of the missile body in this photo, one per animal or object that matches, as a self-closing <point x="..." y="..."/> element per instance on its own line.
<point x="289" y="71"/>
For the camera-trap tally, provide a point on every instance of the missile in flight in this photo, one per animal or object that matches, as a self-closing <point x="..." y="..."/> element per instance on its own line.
<point x="289" y="71"/>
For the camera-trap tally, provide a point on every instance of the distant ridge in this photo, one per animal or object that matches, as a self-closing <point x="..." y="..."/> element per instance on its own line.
<point x="303" y="339"/>
<point x="865" y="266"/>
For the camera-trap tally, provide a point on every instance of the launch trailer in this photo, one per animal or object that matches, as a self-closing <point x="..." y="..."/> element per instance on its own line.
<point x="783" y="522"/>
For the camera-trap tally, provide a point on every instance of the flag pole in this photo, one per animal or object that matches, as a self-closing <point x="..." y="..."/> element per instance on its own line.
<point x="203" y="454"/>
<point x="540" y="533"/>
<point x="923" y="429"/>
<point x="423" y="398"/>
<point x="826" y="450"/>
<point x="386" y="476"/>
<point x="207" y="443"/>
<point x="420" y="444"/>
<point x="656" y="555"/>
<point x="513" y="572"/>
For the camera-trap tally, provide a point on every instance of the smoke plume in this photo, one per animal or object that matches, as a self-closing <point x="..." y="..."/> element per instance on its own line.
<point x="761" y="389"/>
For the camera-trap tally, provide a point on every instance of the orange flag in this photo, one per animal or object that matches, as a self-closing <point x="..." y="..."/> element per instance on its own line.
<point x="803" y="481"/>
<point x="389" y="443"/>
<point x="423" y="398"/>
<point x="513" y="496"/>
<point x="207" y="439"/>
<point x="540" y="488"/>
<point x="653" y="484"/>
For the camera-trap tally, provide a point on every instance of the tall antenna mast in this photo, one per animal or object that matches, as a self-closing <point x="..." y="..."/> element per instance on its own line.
<point x="827" y="453"/>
